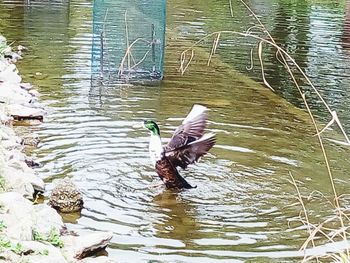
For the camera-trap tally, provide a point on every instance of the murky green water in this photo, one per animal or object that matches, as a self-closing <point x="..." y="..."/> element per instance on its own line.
<point x="241" y="208"/>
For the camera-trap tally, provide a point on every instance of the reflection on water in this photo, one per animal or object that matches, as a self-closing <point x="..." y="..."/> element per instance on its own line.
<point x="346" y="29"/>
<point x="239" y="212"/>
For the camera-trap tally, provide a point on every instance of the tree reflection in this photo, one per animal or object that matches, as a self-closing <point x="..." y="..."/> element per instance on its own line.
<point x="346" y="28"/>
<point x="291" y="28"/>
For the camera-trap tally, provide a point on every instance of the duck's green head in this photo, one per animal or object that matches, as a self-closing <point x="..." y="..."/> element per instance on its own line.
<point x="152" y="126"/>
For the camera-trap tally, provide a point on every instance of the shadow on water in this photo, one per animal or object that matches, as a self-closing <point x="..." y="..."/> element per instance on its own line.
<point x="240" y="211"/>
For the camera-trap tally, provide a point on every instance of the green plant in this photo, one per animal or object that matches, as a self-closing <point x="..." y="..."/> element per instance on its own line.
<point x="2" y="226"/>
<point x="4" y="48"/>
<point x="44" y="252"/>
<point x="53" y="237"/>
<point x="2" y="184"/>
<point x="5" y="244"/>
<point x="18" y="248"/>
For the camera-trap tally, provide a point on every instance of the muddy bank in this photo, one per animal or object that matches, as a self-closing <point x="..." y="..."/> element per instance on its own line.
<point x="30" y="232"/>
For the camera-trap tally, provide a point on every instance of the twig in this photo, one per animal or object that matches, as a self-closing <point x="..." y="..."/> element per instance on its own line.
<point x="127" y="38"/>
<point x="214" y="47"/>
<point x="231" y="10"/>
<point x="262" y="66"/>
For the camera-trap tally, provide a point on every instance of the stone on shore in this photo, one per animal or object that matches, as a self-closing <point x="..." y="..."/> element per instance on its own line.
<point x="33" y="233"/>
<point x="42" y="252"/>
<point x="101" y="259"/>
<point x="66" y="197"/>
<point x="20" y="112"/>
<point x="82" y="246"/>
<point x="21" y="217"/>
<point x="19" y="171"/>
<point x="10" y="74"/>
<point x="12" y="93"/>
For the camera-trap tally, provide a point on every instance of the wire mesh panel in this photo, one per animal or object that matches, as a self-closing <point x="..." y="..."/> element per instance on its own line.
<point x="128" y="39"/>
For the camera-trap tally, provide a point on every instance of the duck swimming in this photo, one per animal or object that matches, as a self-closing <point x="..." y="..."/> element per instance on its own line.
<point x="185" y="147"/>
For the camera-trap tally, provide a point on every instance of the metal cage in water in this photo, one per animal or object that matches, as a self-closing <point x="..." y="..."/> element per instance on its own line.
<point x="128" y="40"/>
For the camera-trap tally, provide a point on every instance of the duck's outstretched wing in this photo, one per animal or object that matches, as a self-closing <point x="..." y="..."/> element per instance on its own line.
<point x="191" y="129"/>
<point x="191" y="152"/>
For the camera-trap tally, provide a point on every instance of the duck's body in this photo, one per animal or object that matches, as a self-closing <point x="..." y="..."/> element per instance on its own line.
<point x="185" y="147"/>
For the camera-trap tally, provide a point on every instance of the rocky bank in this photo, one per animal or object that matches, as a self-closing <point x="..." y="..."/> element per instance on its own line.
<point x="30" y="232"/>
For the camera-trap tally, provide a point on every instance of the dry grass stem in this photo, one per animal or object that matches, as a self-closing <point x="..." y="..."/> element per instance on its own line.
<point x="260" y="54"/>
<point x="127" y="38"/>
<point x="127" y="55"/>
<point x="214" y="47"/>
<point x="184" y="64"/>
<point x="231" y="10"/>
<point x="251" y="60"/>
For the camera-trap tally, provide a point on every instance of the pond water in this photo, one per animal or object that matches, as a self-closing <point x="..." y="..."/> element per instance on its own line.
<point x="241" y="209"/>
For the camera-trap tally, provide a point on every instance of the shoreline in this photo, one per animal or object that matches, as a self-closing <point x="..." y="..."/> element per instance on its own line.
<point x="31" y="232"/>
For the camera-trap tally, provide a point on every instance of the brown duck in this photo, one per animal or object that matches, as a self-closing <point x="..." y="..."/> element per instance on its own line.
<point x="186" y="146"/>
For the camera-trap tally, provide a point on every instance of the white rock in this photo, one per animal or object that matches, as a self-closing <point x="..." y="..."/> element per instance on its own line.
<point x="78" y="247"/>
<point x="21" y="217"/>
<point x="34" y="92"/>
<point x="17" y="215"/>
<point x="46" y="219"/>
<point x="22" y="112"/>
<point x="15" y="181"/>
<point x="24" y="175"/>
<point x="101" y="259"/>
<point x="5" y="119"/>
<point x="10" y="74"/>
<point x="39" y="248"/>
<point x="13" y="93"/>
<point x="10" y="257"/>
<point x="26" y="86"/>
<point x="12" y="143"/>
<point x="14" y="154"/>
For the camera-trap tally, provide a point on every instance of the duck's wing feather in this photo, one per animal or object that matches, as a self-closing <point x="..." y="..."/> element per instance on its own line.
<point x="191" y="152"/>
<point x="191" y="129"/>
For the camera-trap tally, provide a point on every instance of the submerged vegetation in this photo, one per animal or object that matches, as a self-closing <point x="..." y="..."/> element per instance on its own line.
<point x="333" y="229"/>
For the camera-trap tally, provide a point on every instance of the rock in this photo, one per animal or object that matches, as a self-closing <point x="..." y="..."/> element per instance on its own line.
<point x="101" y="259"/>
<point x="15" y="181"/>
<point x="9" y="257"/>
<point x="10" y="74"/>
<point x="12" y="143"/>
<point x="83" y="246"/>
<point x="21" y="48"/>
<point x="17" y="213"/>
<point x="34" y="92"/>
<point x="31" y="141"/>
<point x="14" y="154"/>
<point x="12" y="93"/>
<point x="41" y="252"/>
<point x="20" y="112"/>
<point x="24" y="175"/>
<point x="5" y="119"/>
<point x="65" y="197"/>
<point x="21" y="217"/>
<point x="47" y="218"/>
<point x="30" y="162"/>
<point x="26" y="86"/>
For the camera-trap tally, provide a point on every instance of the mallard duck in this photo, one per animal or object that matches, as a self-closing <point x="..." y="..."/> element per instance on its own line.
<point x="185" y="147"/>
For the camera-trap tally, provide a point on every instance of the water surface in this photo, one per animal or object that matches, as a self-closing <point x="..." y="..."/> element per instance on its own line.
<point x="240" y="211"/>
